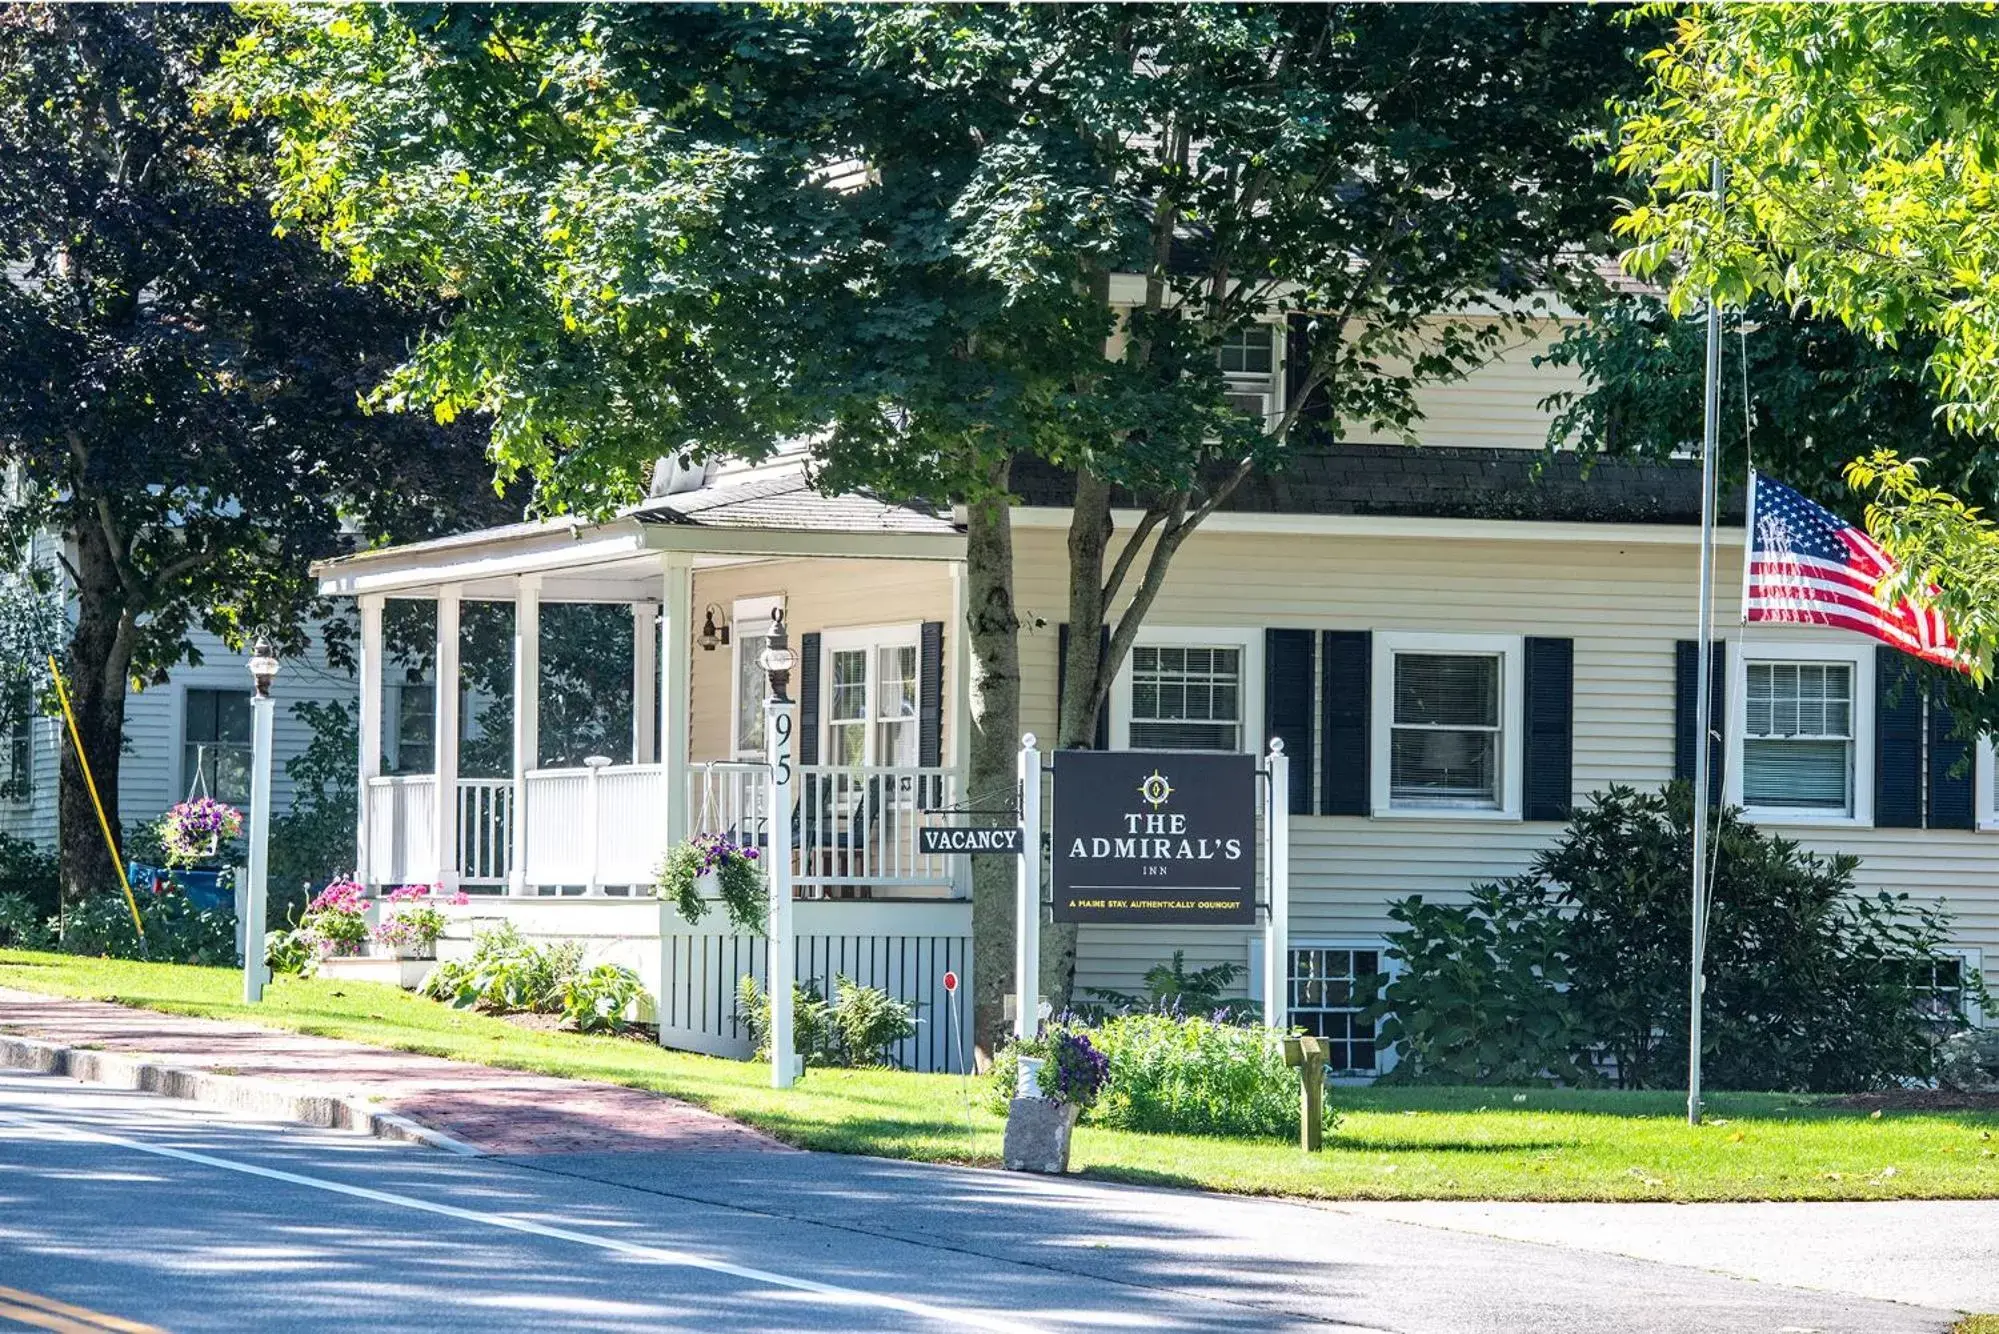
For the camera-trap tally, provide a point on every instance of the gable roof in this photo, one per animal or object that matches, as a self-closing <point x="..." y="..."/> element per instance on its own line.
<point x="1423" y="481"/>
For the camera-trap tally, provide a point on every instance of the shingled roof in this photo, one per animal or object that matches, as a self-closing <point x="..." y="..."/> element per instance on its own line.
<point x="787" y="501"/>
<point x="1422" y="481"/>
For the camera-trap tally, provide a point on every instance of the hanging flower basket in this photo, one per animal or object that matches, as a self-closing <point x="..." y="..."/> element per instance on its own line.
<point x="193" y="831"/>
<point x="714" y="866"/>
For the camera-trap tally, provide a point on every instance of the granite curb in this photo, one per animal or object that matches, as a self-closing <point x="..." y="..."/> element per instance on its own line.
<point x="312" y="1105"/>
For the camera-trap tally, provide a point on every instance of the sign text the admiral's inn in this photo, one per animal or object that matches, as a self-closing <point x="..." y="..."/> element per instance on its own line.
<point x="1154" y="837"/>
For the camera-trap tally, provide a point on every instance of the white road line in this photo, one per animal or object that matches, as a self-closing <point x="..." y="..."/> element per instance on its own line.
<point x="845" y="1296"/>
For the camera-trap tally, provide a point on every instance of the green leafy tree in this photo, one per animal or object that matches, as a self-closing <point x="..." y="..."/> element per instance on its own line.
<point x="1860" y="148"/>
<point x="179" y="387"/>
<point x="940" y="241"/>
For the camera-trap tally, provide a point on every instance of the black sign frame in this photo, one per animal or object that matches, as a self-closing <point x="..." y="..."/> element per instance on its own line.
<point x="1154" y="838"/>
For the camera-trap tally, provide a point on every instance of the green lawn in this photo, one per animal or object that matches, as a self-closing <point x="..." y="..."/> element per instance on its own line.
<point x="1464" y="1143"/>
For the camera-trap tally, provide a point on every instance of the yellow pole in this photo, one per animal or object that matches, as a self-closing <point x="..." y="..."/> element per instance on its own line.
<point x="83" y="763"/>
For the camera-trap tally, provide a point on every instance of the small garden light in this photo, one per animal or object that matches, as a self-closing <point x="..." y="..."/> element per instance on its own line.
<point x="776" y="659"/>
<point x="263" y="666"/>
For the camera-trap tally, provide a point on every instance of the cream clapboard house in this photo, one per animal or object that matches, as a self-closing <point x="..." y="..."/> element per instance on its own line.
<point x="1454" y="645"/>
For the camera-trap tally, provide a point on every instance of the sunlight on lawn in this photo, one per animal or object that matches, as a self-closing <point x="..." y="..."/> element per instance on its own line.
<point x="1457" y="1143"/>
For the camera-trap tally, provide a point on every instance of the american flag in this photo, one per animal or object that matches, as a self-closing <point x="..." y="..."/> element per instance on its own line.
<point x="1808" y="566"/>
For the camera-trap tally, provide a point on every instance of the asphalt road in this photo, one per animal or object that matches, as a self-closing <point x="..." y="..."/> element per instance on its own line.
<point x="118" y="1209"/>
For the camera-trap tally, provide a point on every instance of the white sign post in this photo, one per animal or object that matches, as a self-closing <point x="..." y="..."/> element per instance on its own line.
<point x="782" y="966"/>
<point x="263" y="711"/>
<point x="1277" y="883"/>
<point x="1027" y="906"/>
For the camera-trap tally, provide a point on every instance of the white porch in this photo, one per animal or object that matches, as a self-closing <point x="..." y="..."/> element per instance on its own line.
<point x="600" y="827"/>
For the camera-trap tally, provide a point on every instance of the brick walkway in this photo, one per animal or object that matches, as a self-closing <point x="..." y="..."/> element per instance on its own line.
<point x="499" y="1111"/>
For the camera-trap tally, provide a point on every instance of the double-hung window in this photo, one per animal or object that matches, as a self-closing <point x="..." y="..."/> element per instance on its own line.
<point x="870" y="686"/>
<point x="19" y="768"/>
<point x="1186" y="697"/>
<point x="751" y="635"/>
<point x="1447" y="725"/>
<point x="1248" y="361"/>
<point x="215" y="744"/>
<point x="1798" y="737"/>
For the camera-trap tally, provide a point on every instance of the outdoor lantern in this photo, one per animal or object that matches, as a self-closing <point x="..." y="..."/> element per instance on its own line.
<point x="263" y="666"/>
<point x="776" y="657"/>
<point x="711" y="637"/>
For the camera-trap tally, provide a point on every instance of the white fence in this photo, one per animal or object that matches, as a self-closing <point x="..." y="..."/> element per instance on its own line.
<point x="596" y="827"/>
<point x="485" y="830"/>
<point x="402" y="830"/>
<point x="903" y="948"/>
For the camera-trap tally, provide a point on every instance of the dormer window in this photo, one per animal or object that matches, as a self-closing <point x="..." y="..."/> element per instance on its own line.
<point x="1248" y="360"/>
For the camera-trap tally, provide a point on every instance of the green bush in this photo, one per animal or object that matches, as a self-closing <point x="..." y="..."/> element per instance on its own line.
<point x="28" y="872"/>
<point x="176" y="930"/>
<point x="599" y="998"/>
<point x="313" y="842"/>
<point x="1188" y="1075"/>
<point x="507" y="973"/>
<point x="1171" y="989"/>
<point x="859" y="1026"/>
<point x="290" y="953"/>
<point x="1581" y="964"/>
<point x="23" y="924"/>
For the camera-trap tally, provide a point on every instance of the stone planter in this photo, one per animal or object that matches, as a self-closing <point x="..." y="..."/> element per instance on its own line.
<point x="1037" y="1135"/>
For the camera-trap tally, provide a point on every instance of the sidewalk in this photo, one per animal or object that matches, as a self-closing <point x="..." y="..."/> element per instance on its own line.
<point x="494" y="1111"/>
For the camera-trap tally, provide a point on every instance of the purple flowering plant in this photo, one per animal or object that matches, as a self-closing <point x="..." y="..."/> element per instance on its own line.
<point x="338" y="916"/>
<point x="1075" y="1071"/>
<point x="411" y="922"/>
<point x="732" y="868"/>
<point x="194" y="829"/>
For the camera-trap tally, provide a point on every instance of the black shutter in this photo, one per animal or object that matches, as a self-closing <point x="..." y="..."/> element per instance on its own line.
<point x="1346" y="659"/>
<point x="1686" y="668"/>
<point x="1550" y="691"/>
<point x="1101" y="739"/>
<point x="808" y="698"/>
<point x="1287" y="706"/>
<point x="930" y="695"/>
<point x="1950" y="772"/>
<point x="1318" y="409"/>
<point x="1898" y="742"/>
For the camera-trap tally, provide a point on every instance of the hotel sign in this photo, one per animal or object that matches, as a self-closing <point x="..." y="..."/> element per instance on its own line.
<point x="1155" y="837"/>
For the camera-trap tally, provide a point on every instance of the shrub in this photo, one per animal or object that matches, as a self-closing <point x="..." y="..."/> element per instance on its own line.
<point x="737" y="876"/>
<point x="313" y="842"/>
<point x="507" y="973"/>
<point x="22" y="924"/>
<point x="1177" y="1075"/>
<point x="28" y="872"/>
<point x="176" y="930"/>
<point x="1171" y="989"/>
<point x="290" y="953"/>
<point x="1582" y="963"/>
<point x="599" y="998"/>
<point x="859" y="1026"/>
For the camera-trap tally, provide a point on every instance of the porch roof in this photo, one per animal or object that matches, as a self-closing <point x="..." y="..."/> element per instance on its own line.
<point x="613" y="559"/>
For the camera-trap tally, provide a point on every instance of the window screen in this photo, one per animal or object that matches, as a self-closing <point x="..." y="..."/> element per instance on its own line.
<point x="1445" y="737"/>
<point x="1797" y="749"/>
<point x="1325" y="1003"/>
<point x="1248" y="352"/>
<point x="1186" y="698"/>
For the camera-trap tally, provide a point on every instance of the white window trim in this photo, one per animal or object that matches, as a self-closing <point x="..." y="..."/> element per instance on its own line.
<point x="1974" y="963"/>
<point x="1512" y="722"/>
<point x="1861" y="658"/>
<point x="744" y="611"/>
<point x="846" y="639"/>
<point x="1247" y="640"/>
<point x="1984" y="816"/>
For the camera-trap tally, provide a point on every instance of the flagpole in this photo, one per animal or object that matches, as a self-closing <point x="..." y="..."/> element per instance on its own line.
<point x="1704" y="691"/>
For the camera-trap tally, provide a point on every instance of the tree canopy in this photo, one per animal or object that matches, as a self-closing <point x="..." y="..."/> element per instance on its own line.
<point x="179" y="388"/>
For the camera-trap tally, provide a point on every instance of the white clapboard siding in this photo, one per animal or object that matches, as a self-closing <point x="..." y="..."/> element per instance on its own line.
<point x="1499" y="405"/>
<point x="1624" y="606"/>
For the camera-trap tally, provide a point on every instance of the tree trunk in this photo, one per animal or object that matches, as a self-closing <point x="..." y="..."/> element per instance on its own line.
<point x="993" y="631"/>
<point x="100" y="663"/>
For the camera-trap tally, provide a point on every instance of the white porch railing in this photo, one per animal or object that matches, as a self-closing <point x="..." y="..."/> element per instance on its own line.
<point x="402" y="830"/>
<point x="850" y="826"/>
<point x="596" y="827"/>
<point x="485" y="830"/>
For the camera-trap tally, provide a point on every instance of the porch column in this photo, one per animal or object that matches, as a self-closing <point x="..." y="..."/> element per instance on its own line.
<point x="444" y="735"/>
<point x="645" y="685"/>
<point x="676" y="662"/>
<point x="370" y="726"/>
<point x="527" y="721"/>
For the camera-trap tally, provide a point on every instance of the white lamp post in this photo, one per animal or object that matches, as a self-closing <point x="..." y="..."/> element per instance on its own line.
<point x="263" y="670"/>
<point x="776" y="660"/>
